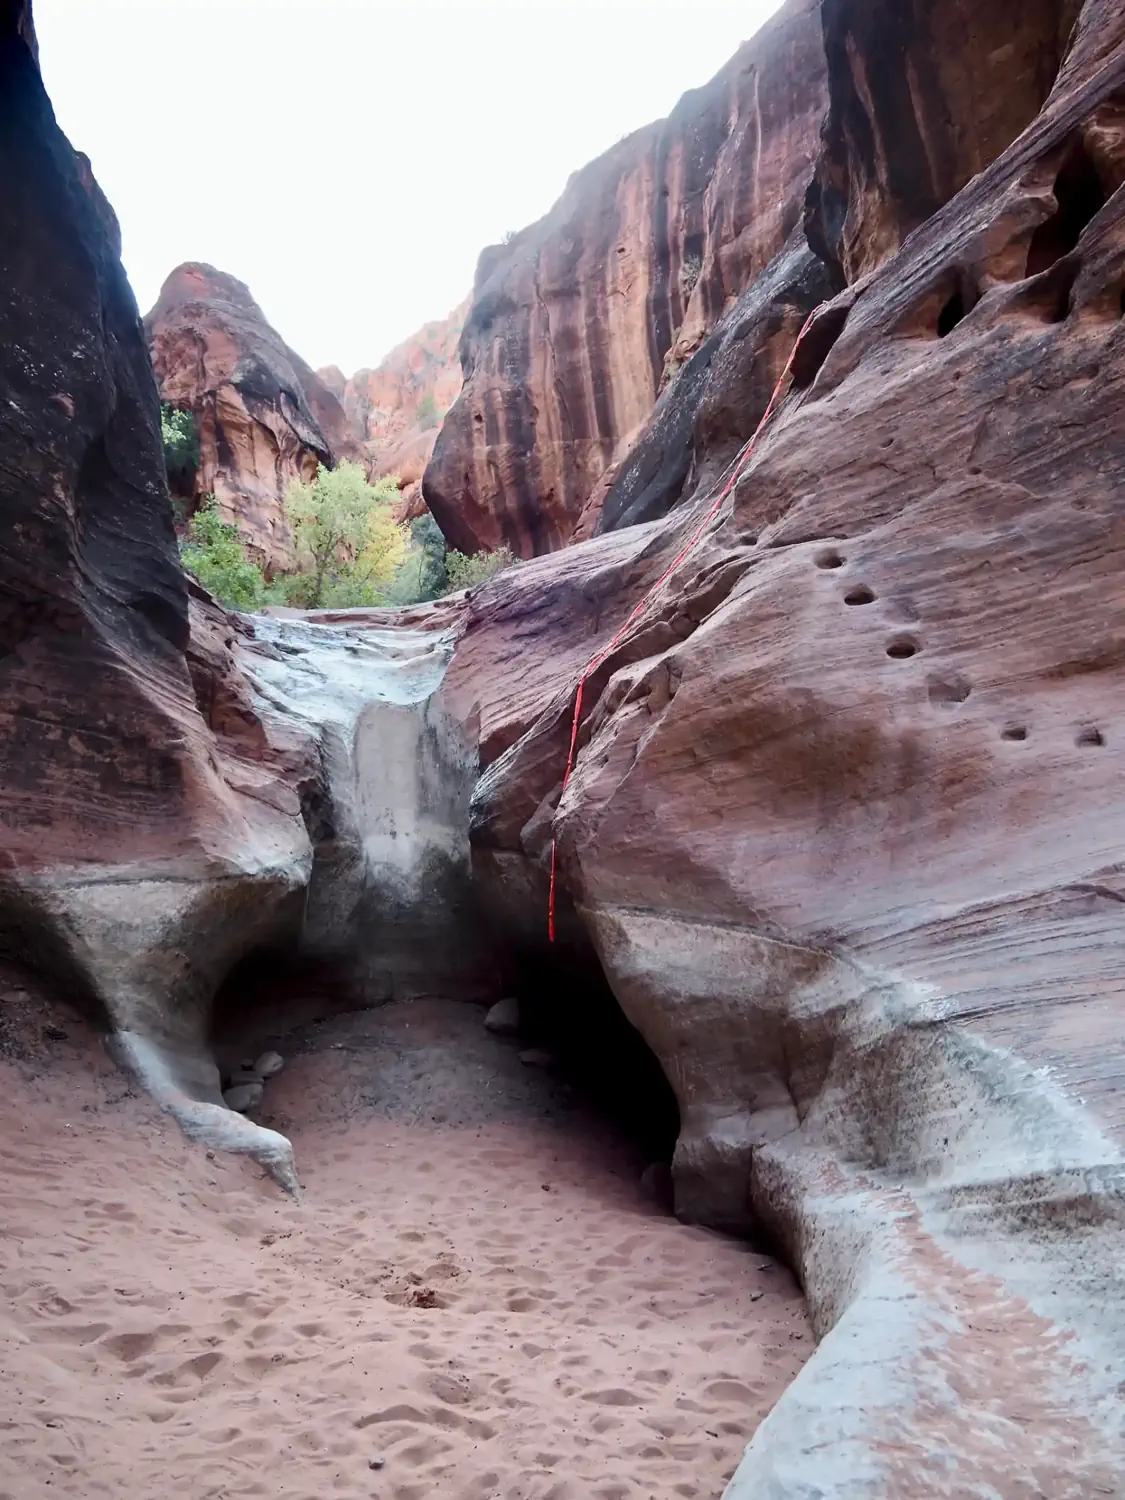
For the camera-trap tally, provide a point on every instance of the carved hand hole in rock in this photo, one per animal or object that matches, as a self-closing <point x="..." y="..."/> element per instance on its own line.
<point x="1089" y="735"/>
<point x="829" y="559"/>
<point x="861" y="594"/>
<point x="951" y="314"/>
<point x="1079" y="195"/>
<point x="903" y="647"/>
<point x="948" y="690"/>
<point x="1050" y="295"/>
<point x="940" y="306"/>
<point x="817" y="345"/>
<point x="1016" y="732"/>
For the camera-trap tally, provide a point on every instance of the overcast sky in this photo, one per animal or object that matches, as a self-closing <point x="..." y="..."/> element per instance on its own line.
<point x="348" y="159"/>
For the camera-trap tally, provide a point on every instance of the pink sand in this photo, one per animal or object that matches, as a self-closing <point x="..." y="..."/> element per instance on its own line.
<point x="490" y="1307"/>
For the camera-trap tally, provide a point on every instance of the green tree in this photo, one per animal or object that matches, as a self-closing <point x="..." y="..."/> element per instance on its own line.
<point x="215" y="556"/>
<point x="180" y="442"/>
<point x="421" y="575"/>
<point x="349" y="546"/>
<point x="465" y="572"/>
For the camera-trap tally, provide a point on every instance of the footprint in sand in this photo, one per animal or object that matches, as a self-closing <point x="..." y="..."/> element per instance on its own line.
<point x="456" y="1390"/>
<point x="190" y="1370"/>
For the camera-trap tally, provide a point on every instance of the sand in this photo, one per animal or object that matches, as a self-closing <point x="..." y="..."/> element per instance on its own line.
<point x="481" y="1304"/>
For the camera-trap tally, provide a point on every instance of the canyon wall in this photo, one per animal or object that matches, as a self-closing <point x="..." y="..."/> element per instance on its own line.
<point x="924" y="96"/>
<point x="396" y="409"/>
<point x="842" y="827"/>
<point x="913" y="115"/>
<point x="130" y="822"/>
<point x="263" y="418"/>
<point x="579" y="319"/>
<point x="158" y="824"/>
<point x="841" y="834"/>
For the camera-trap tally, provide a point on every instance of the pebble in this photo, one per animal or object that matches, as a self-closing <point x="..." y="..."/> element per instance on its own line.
<point x="269" y="1065"/>
<point x="376" y="1463"/>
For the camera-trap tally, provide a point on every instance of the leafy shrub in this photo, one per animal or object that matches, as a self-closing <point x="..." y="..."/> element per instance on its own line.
<point x="349" y="546"/>
<point x="465" y="572"/>
<point x="421" y="574"/>
<point x="291" y="589"/>
<point x="214" y="554"/>
<point x="690" y="272"/>
<point x="180" y="441"/>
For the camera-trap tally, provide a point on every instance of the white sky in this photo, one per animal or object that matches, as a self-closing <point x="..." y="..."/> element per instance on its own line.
<point x="348" y="159"/>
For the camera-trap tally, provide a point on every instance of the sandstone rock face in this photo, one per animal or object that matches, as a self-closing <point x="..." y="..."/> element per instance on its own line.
<point x="923" y="98"/>
<point x="842" y="829"/>
<point x="263" y="417"/>
<point x="395" y="410"/>
<point x="905" y="92"/>
<point x="575" y="323"/>
<point x="702" y="419"/>
<point x="165" y="811"/>
<point x="842" y="833"/>
<point x="138" y="859"/>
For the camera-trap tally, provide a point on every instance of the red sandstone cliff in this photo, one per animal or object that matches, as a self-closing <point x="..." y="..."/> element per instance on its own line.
<point x="844" y="822"/>
<point x="263" y="417"/>
<point x="576" y="322"/>
<point x="396" y="409"/>
<point x="843" y="830"/>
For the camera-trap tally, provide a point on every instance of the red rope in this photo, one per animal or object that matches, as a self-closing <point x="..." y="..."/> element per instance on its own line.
<point x="689" y="546"/>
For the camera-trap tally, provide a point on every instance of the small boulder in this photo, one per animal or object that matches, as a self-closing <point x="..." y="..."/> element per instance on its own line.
<point x="536" y="1057"/>
<point x="269" y="1065"/>
<point x="503" y="1018"/>
<point x="243" y="1096"/>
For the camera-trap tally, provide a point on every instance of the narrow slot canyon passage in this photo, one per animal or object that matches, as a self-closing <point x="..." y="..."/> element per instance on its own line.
<point x="476" y="1298"/>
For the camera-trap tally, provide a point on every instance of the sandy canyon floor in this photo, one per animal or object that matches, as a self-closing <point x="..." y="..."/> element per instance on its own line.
<point x="481" y="1304"/>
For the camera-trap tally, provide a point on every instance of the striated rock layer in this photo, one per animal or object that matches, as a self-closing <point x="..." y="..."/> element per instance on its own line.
<point x="842" y="834"/>
<point x="137" y="861"/>
<point x="157" y="825"/>
<point x="395" y="410"/>
<point x="923" y="98"/>
<point x="263" y="417"/>
<point x="576" y="323"/>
